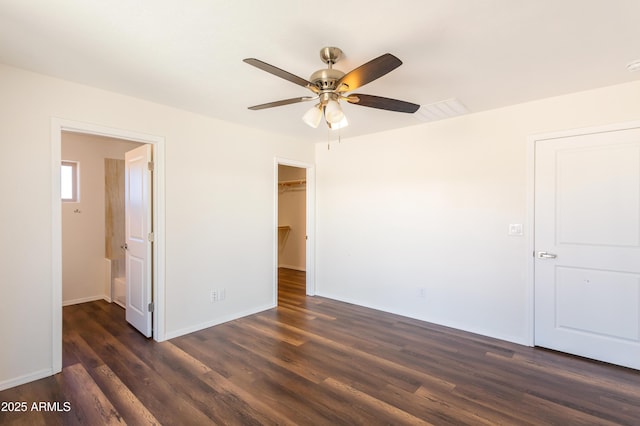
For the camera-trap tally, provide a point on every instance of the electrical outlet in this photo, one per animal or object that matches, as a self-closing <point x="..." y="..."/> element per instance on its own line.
<point x="217" y="295"/>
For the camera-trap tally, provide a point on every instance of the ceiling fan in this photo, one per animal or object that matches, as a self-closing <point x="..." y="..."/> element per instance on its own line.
<point x="330" y="86"/>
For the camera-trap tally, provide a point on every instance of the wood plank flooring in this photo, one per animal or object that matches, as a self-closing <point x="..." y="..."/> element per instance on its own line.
<point x="315" y="361"/>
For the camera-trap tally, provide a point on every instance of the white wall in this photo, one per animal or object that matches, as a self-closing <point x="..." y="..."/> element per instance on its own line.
<point x="83" y="232"/>
<point x="423" y="207"/>
<point x="292" y="203"/>
<point x="428" y="207"/>
<point x="219" y="182"/>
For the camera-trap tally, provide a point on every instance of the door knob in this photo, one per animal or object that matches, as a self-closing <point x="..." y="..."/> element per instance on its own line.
<point x="124" y="246"/>
<point x="546" y="255"/>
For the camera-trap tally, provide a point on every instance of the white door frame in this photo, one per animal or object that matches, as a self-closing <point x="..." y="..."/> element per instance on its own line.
<point x="530" y="242"/>
<point x="59" y="125"/>
<point x="310" y="265"/>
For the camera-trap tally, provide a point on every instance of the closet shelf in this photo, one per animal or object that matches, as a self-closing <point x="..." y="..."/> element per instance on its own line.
<point x="283" y="235"/>
<point x="292" y="185"/>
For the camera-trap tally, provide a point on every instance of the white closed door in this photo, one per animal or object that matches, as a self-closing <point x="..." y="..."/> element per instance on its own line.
<point x="138" y="238"/>
<point x="587" y="245"/>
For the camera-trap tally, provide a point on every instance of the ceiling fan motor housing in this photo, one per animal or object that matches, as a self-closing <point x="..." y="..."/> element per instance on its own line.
<point x="326" y="79"/>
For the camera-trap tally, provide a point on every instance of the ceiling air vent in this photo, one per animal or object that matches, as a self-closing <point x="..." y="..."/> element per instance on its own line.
<point x="633" y="66"/>
<point x="441" y="110"/>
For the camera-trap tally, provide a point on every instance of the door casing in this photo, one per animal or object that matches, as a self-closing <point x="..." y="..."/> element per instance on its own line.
<point x="59" y="125"/>
<point x="530" y="218"/>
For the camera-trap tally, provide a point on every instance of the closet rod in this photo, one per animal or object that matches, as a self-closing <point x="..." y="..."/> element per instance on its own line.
<point x="292" y="182"/>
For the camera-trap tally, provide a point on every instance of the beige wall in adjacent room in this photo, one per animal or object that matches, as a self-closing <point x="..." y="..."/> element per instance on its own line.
<point x="83" y="222"/>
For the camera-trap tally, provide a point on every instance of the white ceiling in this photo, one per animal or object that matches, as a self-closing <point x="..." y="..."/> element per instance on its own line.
<point x="188" y="53"/>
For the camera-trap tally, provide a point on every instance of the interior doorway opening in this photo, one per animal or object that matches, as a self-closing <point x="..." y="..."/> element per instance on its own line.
<point x="292" y="232"/>
<point x="294" y="227"/>
<point x="58" y="126"/>
<point x="93" y="223"/>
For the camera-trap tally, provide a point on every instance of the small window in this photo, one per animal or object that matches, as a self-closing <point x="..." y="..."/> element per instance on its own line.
<point x="69" y="181"/>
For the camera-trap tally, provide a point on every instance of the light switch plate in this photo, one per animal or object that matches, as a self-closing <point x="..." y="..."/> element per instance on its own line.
<point x="515" y="229"/>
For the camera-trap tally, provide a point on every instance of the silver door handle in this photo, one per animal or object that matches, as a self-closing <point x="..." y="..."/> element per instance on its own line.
<point x="546" y="255"/>
<point x="124" y="246"/>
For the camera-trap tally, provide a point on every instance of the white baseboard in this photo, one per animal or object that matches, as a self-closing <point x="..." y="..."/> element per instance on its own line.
<point x="85" y="300"/>
<point x="41" y="374"/>
<point x="218" y="321"/>
<point x="463" y="327"/>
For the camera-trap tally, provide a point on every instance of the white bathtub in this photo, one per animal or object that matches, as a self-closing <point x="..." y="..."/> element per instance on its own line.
<point x="115" y="282"/>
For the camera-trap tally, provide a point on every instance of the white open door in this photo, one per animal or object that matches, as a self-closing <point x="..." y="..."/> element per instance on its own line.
<point x="587" y="242"/>
<point x="138" y="238"/>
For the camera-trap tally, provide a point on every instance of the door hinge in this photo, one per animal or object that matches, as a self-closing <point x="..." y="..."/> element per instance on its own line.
<point x="150" y="165"/>
<point x="151" y="307"/>
<point x="151" y="237"/>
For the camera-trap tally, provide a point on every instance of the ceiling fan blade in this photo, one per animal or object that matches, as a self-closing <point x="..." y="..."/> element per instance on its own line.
<point x="382" y="103"/>
<point x="283" y="102"/>
<point x="368" y="72"/>
<point x="278" y="72"/>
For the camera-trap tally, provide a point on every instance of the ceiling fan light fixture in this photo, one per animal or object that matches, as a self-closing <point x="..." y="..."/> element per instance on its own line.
<point x="332" y="112"/>
<point x="340" y="124"/>
<point x="313" y="116"/>
<point x="330" y="85"/>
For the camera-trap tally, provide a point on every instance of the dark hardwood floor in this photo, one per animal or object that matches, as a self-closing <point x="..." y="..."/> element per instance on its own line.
<point x="315" y="361"/>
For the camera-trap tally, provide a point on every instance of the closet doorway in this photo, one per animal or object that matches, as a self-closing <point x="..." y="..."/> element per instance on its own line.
<point x="294" y="230"/>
